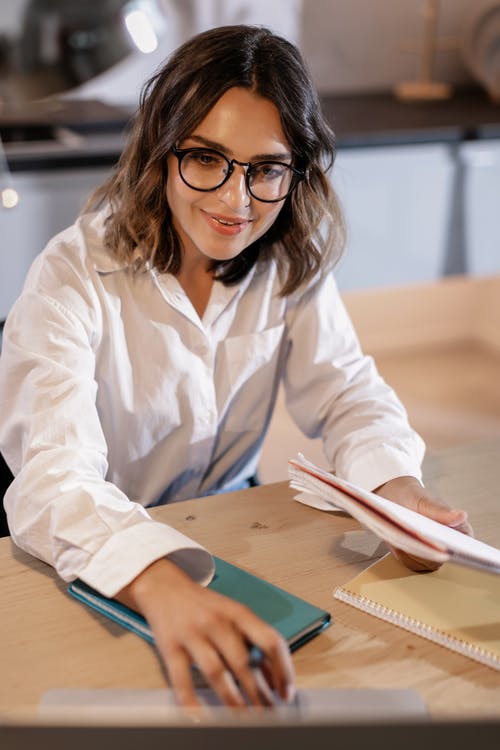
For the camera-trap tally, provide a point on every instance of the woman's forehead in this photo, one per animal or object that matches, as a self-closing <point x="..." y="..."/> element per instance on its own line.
<point x="244" y="123"/>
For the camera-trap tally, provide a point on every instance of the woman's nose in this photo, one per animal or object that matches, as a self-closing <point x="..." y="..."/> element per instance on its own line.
<point x="234" y="193"/>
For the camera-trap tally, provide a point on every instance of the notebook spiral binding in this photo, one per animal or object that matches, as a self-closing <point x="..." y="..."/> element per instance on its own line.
<point x="418" y="628"/>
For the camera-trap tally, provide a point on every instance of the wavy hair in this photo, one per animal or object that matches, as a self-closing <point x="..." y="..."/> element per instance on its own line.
<point x="308" y="233"/>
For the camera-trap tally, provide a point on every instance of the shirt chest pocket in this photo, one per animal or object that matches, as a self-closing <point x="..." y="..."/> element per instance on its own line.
<point x="250" y="369"/>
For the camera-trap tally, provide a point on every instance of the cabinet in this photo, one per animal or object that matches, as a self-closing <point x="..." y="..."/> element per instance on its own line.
<point x="396" y="201"/>
<point x="415" y="213"/>
<point x="48" y="202"/>
<point x="481" y="169"/>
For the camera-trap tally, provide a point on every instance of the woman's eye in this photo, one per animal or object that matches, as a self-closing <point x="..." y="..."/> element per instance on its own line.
<point x="269" y="171"/>
<point x="206" y="159"/>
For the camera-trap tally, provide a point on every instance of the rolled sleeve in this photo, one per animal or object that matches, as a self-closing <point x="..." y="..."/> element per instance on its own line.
<point x="127" y="553"/>
<point x="379" y="465"/>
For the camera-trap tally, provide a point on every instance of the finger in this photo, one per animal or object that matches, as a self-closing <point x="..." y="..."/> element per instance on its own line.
<point x="280" y="665"/>
<point x="427" y="506"/>
<point x="217" y="674"/>
<point x="261" y="677"/>
<point x="464" y="527"/>
<point x="417" y="564"/>
<point x="178" y="664"/>
<point x="235" y="651"/>
<point x="278" y="661"/>
<point x="410" y="493"/>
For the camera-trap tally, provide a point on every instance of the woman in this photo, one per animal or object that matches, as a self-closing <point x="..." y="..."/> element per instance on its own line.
<point x="142" y="360"/>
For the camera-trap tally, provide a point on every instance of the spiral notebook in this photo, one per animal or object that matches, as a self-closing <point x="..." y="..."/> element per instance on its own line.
<point x="455" y="607"/>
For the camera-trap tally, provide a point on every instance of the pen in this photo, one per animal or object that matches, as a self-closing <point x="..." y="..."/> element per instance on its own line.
<point x="255" y="657"/>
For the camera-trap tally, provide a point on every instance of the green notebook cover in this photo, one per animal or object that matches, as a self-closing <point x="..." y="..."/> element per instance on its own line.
<point x="296" y="620"/>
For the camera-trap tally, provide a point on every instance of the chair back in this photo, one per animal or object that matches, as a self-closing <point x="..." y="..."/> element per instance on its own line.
<point x="6" y="478"/>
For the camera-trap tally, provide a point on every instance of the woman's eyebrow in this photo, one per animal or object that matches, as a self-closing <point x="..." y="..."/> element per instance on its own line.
<point x="220" y="147"/>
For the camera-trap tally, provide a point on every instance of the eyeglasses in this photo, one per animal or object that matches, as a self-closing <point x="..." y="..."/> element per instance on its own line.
<point x="205" y="169"/>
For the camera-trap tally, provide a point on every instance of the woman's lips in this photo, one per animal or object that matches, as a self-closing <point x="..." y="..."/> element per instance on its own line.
<point x="227" y="225"/>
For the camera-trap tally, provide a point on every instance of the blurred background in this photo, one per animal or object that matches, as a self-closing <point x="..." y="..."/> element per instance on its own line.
<point x="419" y="180"/>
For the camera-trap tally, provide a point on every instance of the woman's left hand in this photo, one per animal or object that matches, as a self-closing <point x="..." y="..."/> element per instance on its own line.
<point x="408" y="491"/>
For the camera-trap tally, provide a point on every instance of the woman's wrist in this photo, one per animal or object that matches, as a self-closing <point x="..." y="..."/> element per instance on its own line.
<point x="161" y="573"/>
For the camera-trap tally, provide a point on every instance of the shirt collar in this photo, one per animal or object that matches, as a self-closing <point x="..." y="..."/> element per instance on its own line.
<point x="103" y="260"/>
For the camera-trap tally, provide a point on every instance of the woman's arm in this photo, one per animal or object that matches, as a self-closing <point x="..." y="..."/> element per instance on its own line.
<point x="340" y="395"/>
<point x="333" y="390"/>
<point x="63" y="510"/>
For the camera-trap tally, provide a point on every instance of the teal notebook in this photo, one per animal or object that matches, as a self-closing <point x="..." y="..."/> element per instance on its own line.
<point x="296" y="620"/>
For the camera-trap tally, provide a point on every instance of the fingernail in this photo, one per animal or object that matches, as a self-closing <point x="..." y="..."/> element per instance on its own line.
<point x="459" y="521"/>
<point x="290" y="693"/>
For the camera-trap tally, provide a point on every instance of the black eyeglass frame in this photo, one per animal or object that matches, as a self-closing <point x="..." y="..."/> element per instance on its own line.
<point x="297" y="174"/>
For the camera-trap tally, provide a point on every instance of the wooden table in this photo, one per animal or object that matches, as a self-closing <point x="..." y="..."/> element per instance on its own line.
<point x="48" y="640"/>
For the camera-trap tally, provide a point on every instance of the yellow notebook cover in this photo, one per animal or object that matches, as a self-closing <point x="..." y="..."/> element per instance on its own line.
<point x="454" y="606"/>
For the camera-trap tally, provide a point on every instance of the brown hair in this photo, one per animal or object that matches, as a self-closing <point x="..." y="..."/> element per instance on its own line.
<point x="308" y="233"/>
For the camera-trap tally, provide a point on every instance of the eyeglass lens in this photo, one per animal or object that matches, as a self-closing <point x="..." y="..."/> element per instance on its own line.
<point x="207" y="170"/>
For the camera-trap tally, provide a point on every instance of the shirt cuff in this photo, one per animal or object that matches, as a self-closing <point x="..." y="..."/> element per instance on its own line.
<point x="128" y="552"/>
<point x="384" y="463"/>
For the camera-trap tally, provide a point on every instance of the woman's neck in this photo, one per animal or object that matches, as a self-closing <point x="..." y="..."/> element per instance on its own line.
<point x="197" y="280"/>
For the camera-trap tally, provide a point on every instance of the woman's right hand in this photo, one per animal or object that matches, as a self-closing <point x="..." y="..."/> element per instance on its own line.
<point x="195" y="625"/>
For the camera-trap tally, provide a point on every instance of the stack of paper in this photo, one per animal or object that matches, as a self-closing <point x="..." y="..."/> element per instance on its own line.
<point x="398" y="526"/>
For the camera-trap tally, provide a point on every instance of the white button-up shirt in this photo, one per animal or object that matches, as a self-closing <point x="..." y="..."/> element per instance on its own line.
<point x="115" y="395"/>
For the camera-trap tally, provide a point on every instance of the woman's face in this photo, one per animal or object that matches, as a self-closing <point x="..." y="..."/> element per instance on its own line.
<point x="218" y="225"/>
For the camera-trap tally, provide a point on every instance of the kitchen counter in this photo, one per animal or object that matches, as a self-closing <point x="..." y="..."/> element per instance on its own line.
<point x="72" y="133"/>
<point x="380" y="119"/>
<point x="58" y="134"/>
